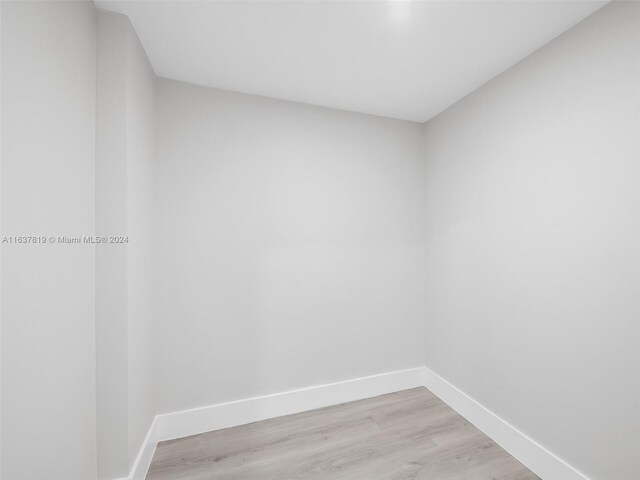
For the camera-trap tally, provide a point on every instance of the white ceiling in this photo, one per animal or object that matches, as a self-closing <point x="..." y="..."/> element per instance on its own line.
<point x="401" y="59"/>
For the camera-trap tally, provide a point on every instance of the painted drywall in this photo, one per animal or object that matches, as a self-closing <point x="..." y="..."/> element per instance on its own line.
<point x="124" y="275"/>
<point x="533" y="227"/>
<point x="141" y="115"/>
<point x="290" y="246"/>
<point x="402" y="59"/>
<point x="111" y="259"/>
<point x="48" y="144"/>
<point x="0" y="236"/>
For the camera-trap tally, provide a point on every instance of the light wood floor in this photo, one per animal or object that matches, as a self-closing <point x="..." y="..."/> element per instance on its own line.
<point x="409" y="435"/>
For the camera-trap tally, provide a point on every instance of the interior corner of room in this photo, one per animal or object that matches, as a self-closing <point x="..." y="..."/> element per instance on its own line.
<point x="313" y="220"/>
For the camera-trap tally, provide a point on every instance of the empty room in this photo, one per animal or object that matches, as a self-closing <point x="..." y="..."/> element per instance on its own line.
<point x="319" y="240"/>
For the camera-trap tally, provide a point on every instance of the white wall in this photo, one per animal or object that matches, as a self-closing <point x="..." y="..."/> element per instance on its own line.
<point x="290" y="246"/>
<point x="141" y="116"/>
<point x="124" y="275"/>
<point x="111" y="259"/>
<point x="48" y="338"/>
<point x="533" y="227"/>
<point x="0" y="236"/>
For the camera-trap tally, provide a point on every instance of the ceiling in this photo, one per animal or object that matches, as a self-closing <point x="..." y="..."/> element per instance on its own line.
<point x="401" y="59"/>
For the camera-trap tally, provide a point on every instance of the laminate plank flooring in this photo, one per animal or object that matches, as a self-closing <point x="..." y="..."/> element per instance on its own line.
<point x="408" y="435"/>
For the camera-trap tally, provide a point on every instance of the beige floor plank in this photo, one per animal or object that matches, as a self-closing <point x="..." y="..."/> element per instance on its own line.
<point x="408" y="435"/>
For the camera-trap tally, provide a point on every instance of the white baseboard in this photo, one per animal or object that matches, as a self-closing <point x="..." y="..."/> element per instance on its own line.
<point x="174" y="425"/>
<point x="239" y="412"/>
<point x="531" y="454"/>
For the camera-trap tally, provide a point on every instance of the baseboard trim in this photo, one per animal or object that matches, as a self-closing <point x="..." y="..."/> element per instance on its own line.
<point x="530" y="453"/>
<point x="240" y="412"/>
<point x="169" y="426"/>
